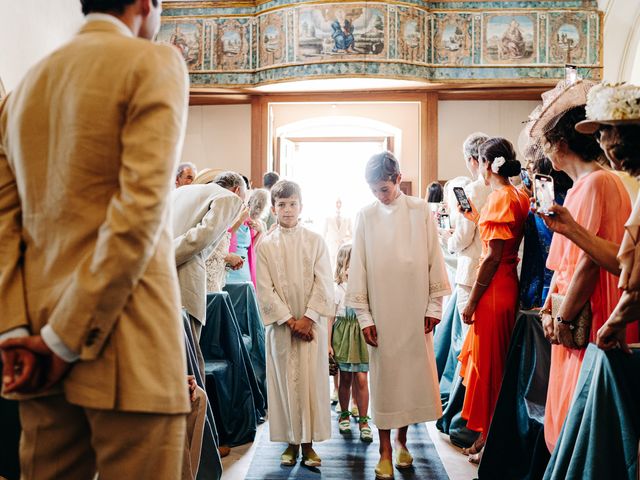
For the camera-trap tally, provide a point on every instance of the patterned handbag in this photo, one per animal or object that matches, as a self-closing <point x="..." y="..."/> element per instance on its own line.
<point x="581" y="325"/>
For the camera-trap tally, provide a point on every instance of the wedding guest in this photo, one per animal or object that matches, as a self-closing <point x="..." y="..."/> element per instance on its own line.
<point x="535" y="277"/>
<point x="89" y="142"/>
<point x="613" y="117"/>
<point x="465" y="240"/>
<point x="493" y="300"/>
<point x="599" y="203"/>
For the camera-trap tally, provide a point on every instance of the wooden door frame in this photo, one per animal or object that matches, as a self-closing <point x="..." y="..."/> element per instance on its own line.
<point x="428" y="130"/>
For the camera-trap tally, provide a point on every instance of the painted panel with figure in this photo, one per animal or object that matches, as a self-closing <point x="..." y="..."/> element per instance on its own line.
<point x="232" y="43"/>
<point x="510" y="38"/>
<point x="272" y="39"/>
<point x="413" y="35"/>
<point x="568" y="37"/>
<point x="187" y="36"/>
<point x="340" y="30"/>
<point x="452" y="39"/>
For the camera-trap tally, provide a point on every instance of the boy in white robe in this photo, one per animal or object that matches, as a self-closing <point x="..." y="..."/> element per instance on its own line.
<point x="295" y="292"/>
<point x="397" y="279"/>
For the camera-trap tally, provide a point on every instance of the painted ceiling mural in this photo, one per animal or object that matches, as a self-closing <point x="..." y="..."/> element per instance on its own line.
<point x="235" y="44"/>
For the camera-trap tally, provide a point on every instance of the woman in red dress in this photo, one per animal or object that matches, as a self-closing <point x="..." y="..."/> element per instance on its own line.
<point x="491" y="310"/>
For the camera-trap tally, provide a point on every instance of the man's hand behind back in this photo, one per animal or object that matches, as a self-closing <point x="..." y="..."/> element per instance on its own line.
<point x="29" y="366"/>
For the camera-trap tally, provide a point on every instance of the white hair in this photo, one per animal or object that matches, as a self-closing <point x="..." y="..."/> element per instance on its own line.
<point x="472" y="144"/>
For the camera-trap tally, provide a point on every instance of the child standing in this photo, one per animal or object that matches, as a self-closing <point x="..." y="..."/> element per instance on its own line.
<point x="349" y="348"/>
<point x="296" y="296"/>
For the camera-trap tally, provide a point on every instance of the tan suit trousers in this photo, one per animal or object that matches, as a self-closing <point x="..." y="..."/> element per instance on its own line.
<point x="61" y="440"/>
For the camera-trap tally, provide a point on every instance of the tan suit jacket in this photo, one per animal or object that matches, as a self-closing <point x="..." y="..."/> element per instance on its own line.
<point x="201" y="216"/>
<point x="89" y="142"/>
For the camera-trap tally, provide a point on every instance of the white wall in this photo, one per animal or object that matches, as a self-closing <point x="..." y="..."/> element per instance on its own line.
<point x="219" y="136"/>
<point x="29" y="30"/>
<point x="621" y="39"/>
<point x="457" y="119"/>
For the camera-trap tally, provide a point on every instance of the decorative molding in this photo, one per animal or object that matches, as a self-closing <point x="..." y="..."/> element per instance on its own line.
<point x="248" y="44"/>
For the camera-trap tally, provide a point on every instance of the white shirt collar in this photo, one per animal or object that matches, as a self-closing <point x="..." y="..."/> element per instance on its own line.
<point x="105" y="17"/>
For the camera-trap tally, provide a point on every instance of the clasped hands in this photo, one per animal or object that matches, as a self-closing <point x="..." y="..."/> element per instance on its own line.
<point x="301" y="328"/>
<point x="29" y="365"/>
<point x="371" y="333"/>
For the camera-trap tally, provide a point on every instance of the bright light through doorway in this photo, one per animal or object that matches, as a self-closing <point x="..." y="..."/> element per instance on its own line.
<point x="327" y="171"/>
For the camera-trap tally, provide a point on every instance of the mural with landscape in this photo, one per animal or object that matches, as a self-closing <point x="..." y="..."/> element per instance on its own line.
<point x="281" y="40"/>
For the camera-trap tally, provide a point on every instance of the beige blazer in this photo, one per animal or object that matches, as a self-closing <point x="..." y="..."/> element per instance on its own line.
<point x="201" y="216"/>
<point x="89" y="142"/>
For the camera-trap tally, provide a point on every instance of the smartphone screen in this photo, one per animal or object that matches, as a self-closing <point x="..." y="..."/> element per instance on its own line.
<point x="462" y="198"/>
<point x="444" y="222"/>
<point x="543" y="192"/>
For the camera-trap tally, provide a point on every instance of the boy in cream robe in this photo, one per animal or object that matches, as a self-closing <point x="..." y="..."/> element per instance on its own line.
<point x="397" y="279"/>
<point x="295" y="292"/>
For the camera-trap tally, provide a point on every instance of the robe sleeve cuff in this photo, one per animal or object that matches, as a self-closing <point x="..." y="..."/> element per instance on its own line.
<point x="434" y="308"/>
<point x="283" y="320"/>
<point x="312" y="314"/>
<point x="364" y="318"/>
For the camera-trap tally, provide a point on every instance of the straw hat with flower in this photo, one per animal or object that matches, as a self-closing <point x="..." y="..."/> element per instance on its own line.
<point x="611" y="104"/>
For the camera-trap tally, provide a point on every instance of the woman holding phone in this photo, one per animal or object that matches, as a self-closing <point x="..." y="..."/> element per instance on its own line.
<point x="491" y="309"/>
<point x="599" y="203"/>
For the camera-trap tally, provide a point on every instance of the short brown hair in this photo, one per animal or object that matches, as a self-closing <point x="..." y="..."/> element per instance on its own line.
<point x="382" y="167"/>
<point x="285" y="189"/>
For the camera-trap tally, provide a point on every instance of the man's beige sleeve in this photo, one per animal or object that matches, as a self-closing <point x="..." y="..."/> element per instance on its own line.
<point x="13" y="311"/>
<point x="151" y="141"/>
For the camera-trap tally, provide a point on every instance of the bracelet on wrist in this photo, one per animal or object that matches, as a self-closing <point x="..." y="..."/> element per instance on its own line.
<point x="562" y="321"/>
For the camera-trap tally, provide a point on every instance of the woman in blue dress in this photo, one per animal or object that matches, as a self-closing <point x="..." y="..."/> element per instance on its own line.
<point x="535" y="278"/>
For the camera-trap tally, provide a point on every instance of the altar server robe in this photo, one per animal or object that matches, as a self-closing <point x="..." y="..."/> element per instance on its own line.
<point x="294" y="280"/>
<point x="397" y="278"/>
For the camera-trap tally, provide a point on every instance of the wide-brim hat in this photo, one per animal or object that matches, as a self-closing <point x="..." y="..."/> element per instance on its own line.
<point x="608" y="104"/>
<point x="556" y="102"/>
<point x="206" y="175"/>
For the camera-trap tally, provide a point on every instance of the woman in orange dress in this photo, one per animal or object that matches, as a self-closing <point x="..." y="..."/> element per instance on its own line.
<point x="599" y="202"/>
<point x="493" y="301"/>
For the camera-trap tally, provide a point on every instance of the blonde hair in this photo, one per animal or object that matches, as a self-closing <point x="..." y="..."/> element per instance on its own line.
<point x="342" y="263"/>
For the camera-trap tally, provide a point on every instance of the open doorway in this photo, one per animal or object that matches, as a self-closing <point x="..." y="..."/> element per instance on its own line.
<point x="328" y="170"/>
<point x="327" y="157"/>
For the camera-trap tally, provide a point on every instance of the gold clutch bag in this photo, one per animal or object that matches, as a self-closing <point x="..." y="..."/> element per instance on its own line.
<point x="581" y="324"/>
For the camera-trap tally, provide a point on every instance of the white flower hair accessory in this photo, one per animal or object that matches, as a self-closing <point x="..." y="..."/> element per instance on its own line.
<point x="497" y="163"/>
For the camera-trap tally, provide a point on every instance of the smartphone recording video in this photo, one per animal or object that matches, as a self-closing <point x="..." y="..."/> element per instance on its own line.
<point x="543" y="192"/>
